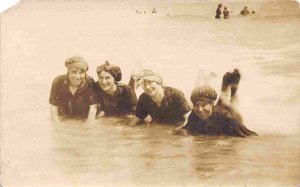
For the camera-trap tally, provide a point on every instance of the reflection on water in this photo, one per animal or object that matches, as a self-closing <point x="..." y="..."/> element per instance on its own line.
<point x="148" y="155"/>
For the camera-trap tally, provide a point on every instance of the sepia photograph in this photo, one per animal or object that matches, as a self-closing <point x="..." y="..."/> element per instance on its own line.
<point x="149" y="93"/>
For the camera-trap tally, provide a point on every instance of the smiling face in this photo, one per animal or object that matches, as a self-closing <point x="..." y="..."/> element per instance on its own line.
<point x="106" y="81"/>
<point x="203" y="109"/>
<point x="151" y="88"/>
<point x="76" y="76"/>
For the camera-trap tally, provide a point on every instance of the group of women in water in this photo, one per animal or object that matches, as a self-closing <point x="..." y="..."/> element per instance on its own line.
<point x="76" y="95"/>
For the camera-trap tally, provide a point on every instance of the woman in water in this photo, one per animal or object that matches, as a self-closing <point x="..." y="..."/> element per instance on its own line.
<point x="221" y="119"/>
<point x="72" y="95"/>
<point x="114" y="98"/>
<point x="163" y="104"/>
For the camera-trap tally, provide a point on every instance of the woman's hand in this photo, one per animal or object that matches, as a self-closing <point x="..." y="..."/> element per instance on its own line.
<point x="54" y="114"/>
<point x="134" y="121"/>
<point x="148" y="119"/>
<point x="222" y="143"/>
<point x="100" y="114"/>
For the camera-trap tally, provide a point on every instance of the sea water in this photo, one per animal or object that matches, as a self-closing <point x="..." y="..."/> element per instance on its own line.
<point x="181" y="41"/>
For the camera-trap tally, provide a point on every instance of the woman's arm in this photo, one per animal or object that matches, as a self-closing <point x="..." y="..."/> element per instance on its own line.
<point x="92" y="112"/>
<point x="134" y="121"/>
<point x="130" y="99"/>
<point x="186" y="116"/>
<point x="182" y="106"/>
<point x="54" y="113"/>
<point x="181" y="130"/>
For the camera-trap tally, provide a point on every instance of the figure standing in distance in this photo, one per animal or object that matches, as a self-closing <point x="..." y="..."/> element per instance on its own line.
<point x="115" y="99"/>
<point x="222" y="119"/>
<point x="159" y="103"/>
<point x="226" y="13"/>
<point x="72" y="95"/>
<point x="245" y="11"/>
<point x="218" y="12"/>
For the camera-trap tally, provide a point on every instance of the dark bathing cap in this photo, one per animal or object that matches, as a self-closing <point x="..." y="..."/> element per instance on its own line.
<point x="203" y="93"/>
<point x="114" y="70"/>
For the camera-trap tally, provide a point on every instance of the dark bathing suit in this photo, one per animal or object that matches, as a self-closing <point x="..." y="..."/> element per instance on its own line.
<point x="75" y="106"/>
<point x="173" y="107"/>
<point x="224" y="120"/>
<point x="122" y="103"/>
<point x="218" y="13"/>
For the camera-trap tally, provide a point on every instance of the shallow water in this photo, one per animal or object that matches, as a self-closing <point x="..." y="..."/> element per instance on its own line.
<point x="178" y="41"/>
<point x="112" y="154"/>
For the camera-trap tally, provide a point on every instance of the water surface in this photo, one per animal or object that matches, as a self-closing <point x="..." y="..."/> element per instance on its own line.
<point x="179" y="41"/>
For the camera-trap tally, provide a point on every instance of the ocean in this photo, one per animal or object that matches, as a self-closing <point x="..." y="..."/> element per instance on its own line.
<point x="181" y="41"/>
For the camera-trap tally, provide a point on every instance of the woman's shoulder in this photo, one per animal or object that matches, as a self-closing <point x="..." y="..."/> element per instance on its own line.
<point x="60" y="80"/>
<point x="123" y="86"/>
<point x="91" y="82"/>
<point x="144" y="98"/>
<point x="222" y="110"/>
<point x="173" y="91"/>
<point x="90" y="79"/>
<point x="193" y="117"/>
<point x="123" y="89"/>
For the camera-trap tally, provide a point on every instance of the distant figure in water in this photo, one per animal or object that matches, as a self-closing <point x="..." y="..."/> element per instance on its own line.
<point x="72" y="95"/>
<point x="218" y="12"/>
<point x="154" y="11"/>
<point x="221" y="119"/>
<point x="226" y="13"/>
<point x="115" y="99"/>
<point x="159" y="103"/>
<point x="245" y="11"/>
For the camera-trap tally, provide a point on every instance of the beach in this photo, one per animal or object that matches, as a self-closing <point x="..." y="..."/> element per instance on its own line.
<point x="179" y="41"/>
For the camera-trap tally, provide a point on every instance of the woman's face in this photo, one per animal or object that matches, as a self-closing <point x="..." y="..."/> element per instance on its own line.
<point x="106" y="81"/>
<point x="76" y="76"/>
<point x="151" y="88"/>
<point x="202" y="109"/>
